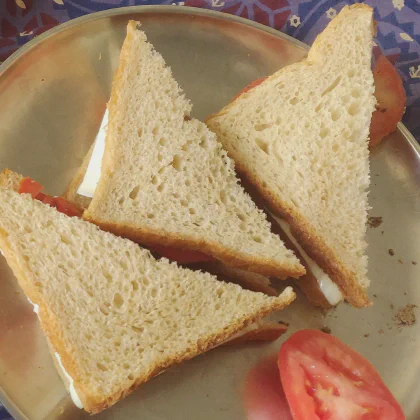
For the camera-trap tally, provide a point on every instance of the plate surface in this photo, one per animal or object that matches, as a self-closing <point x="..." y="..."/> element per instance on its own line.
<point x="52" y="97"/>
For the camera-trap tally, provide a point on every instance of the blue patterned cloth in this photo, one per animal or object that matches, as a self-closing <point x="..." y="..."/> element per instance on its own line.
<point x="398" y="34"/>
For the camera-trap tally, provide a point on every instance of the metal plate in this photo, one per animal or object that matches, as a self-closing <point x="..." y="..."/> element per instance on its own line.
<point x="52" y="96"/>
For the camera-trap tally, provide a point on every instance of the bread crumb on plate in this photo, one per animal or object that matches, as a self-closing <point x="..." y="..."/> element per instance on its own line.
<point x="405" y="315"/>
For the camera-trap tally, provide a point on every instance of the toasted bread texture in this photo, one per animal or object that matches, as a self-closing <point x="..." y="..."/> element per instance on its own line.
<point x="10" y="180"/>
<point x="115" y="315"/>
<point x="301" y="137"/>
<point x="166" y="180"/>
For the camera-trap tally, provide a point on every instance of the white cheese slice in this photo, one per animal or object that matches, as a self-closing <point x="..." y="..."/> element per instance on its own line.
<point x="93" y="172"/>
<point x="72" y="390"/>
<point x="35" y="306"/>
<point x="328" y="288"/>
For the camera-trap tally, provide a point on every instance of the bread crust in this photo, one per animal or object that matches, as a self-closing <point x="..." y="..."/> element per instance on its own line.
<point x="307" y="237"/>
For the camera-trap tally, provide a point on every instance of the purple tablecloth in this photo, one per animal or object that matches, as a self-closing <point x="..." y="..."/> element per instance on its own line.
<point x="398" y="30"/>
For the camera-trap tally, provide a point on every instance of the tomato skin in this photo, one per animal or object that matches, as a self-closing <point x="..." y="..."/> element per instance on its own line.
<point x="29" y="186"/>
<point x="45" y="198"/>
<point x="64" y="206"/>
<point x="255" y="83"/>
<point x="181" y="256"/>
<point x="326" y="380"/>
<point x="391" y="100"/>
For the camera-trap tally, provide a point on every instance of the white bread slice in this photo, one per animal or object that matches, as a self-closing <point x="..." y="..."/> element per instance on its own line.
<point x="166" y="179"/>
<point x="301" y="137"/>
<point x="115" y="315"/>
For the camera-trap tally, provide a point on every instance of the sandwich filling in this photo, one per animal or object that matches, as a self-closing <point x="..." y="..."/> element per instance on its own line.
<point x="328" y="288"/>
<point x="72" y="390"/>
<point x="93" y="172"/>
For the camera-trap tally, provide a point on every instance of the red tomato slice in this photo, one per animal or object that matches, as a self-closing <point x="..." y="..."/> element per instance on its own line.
<point x="45" y="198"/>
<point x="263" y="393"/>
<point x="181" y="256"/>
<point x="391" y="100"/>
<point x="29" y="186"/>
<point x="64" y="206"/>
<point x="326" y="380"/>
<point x="250" y="86"/>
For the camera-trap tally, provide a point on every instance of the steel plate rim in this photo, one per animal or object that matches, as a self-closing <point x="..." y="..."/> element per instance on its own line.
<point x="11" y="407"/>
<point x="409" y="137"/>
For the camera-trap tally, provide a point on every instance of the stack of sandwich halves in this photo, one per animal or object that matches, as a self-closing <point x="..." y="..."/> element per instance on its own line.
<point x="116" y="313"/>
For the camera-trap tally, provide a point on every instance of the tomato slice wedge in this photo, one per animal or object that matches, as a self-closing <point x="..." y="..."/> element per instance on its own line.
<point x="326" y="380"/>
<point x="181" y="256"/>
<point x="391" y="100"/>
<point x="64" y="206"/>
<point x="45" y="198"/>
<point x="29" y="186"/>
